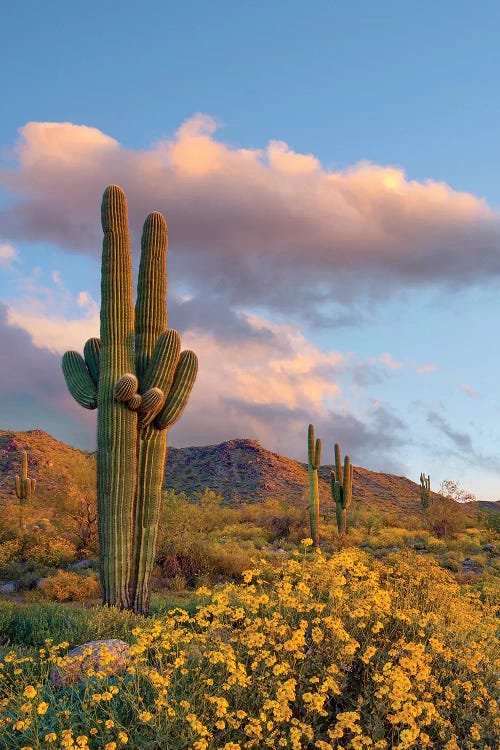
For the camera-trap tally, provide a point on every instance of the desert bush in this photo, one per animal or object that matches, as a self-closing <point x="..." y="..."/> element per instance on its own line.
<point x="9" y="552"/>
<point x="52" y="551"/>
<point x="445" y="517"/>
<point x="66" y="586"/>
<point x="368" y="520"/>
<point x="390" y="537"/>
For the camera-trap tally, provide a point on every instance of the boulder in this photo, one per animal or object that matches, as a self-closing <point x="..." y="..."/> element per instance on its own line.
<point x="106" y="657"/>
<point x="7" y="588"/>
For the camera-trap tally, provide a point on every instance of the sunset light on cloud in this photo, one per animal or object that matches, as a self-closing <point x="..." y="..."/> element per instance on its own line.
<point x="334" y="256"/>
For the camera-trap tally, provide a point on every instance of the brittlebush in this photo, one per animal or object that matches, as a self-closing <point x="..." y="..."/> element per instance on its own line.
<point x="341" y="653"/>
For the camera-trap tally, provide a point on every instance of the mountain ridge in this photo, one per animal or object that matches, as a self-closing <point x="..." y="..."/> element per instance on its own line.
<point x="241" y="470"/>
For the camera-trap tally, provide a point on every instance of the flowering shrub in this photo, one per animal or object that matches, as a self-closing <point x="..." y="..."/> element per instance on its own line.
<point x="52" y="551"/>
<point x="67" y="586"/>
<point x="317" y="653"/>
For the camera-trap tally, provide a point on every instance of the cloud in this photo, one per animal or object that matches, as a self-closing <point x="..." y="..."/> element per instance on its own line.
<point x="33" y="393"/>
<point x="424" y="369"/>
<point x="460" y="440"/>
<point x="8" y="253"/>
<point x="256" y="379"/>
<point x="462" y="443"/>
<point x="387" y="359"/>
<point x="469" y="390"/>
<point x="267" y="227"/>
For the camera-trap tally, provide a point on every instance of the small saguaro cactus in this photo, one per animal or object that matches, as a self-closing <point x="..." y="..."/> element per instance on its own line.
<point x="314" y="461"/>
<point x="341" y="487"/>
<point x="25" y="487"/>
<point x="425" y="490"/>
<point x="139" y="381"/>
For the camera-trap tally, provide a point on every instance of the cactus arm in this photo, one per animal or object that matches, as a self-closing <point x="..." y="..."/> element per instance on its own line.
<point x="91" y="354"/>
<point x="78" y="379"/>
<point x="151" y="305"/>
<point x="117" y="424"/>
<point x="338" y="464"/>
<point x="175" y="403"/>
<point x="161" y="371"/>
<point x="19" y="488"/>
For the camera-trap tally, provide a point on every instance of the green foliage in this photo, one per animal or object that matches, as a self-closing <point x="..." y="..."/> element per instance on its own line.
<point x="425" y="490"/>
<point x="314" y="461"/>
<point x="139" y="381"/>
<point x="196" y="549"/>
<point x="341" y="488"/>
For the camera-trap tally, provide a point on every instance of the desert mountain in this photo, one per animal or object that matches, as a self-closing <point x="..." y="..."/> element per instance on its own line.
<point x="242" y="471"/>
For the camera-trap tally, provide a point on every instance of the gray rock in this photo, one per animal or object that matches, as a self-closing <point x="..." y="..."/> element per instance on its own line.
<point x="7" y="588"/>
<point x="109" y="656"/>
<point x="82" y="564"/>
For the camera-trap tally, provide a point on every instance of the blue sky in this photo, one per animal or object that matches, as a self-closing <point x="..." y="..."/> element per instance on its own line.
<point x="329" y="176"/>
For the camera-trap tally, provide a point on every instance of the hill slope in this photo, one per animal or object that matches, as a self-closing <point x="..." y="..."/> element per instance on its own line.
<point x="240" y="470"/>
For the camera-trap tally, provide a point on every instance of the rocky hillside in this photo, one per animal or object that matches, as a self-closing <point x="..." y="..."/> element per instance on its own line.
<point x="242" y="471"/>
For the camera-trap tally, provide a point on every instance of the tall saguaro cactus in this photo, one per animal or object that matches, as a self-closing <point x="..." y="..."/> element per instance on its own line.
<point x="139" y="381"/>
<point x="341" y="488"/>
<point x="314" y="461"/>
<point x="425" y="490"/>
<point x="25" y="487"/>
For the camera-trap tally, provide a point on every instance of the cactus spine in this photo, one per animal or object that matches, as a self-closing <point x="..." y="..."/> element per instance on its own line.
<point x="25" y="487"/>
<point x="425" y="490"/>
<point x="139" y="381"/>
<point x="341" y="488"/>
<point x="314" y="461"/>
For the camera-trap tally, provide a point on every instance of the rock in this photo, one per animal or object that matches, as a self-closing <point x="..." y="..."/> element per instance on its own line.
<point x="7" y="588"/>
<point x="395" y="548"/>
<point x="468" y="566"/>
<point x="108" y="656"/>
<point x="82" y="564"/>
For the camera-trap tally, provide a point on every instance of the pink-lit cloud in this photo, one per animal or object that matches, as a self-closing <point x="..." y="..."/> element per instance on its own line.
<point x="426" y="368"/>
<point x="469" y="390"/>
<point x="267" y="227"/>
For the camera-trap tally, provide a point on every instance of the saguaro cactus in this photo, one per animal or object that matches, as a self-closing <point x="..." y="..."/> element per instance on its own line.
<point x="425" y="490"/>
<point x="314" y="461"/>
<point x="341" y="487"/>
<point x="25" y="488"/>
<point x="139" y="381"/>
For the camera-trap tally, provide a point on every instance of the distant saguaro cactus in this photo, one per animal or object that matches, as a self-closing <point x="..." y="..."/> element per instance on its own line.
<point x="139" y="381"/>
<point x="341" y="488"/>
<point x="425" y="490"/>
<point x="25" y="487"/>
<point x="314" y="461"/>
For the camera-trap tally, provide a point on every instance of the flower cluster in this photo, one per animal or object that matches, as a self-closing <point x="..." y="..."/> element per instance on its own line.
<point x="343" y="653"/>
